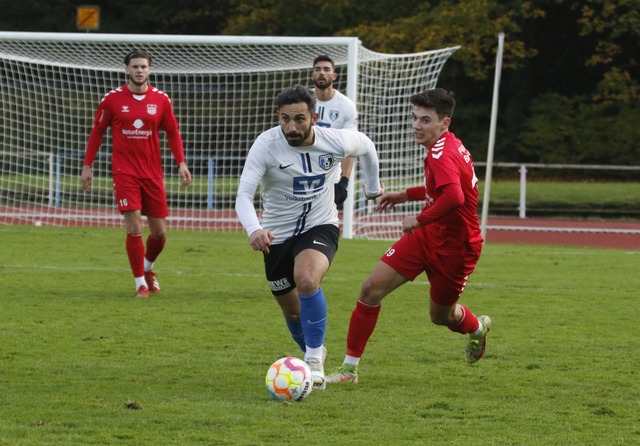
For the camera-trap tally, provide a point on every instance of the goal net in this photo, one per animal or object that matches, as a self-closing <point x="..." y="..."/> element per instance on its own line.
<point x="223" y="90"/>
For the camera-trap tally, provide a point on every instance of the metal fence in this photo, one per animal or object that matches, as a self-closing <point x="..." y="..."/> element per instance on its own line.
<point x="523" y="169"/>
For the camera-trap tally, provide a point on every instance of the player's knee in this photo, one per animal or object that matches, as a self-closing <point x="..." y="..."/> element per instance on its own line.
<point x="370" y="294"/>
<point x="307" y="282"/>
<point x="307" y="286"/>
<point x="158" y="235"/>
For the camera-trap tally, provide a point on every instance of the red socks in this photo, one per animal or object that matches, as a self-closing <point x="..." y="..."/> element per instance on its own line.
<point x="364" y="318"/>
<point x="154" y="248"/>
<point x="135" y="251"/>
<point x="468" y="324"/>
<point x="363" y="322"/>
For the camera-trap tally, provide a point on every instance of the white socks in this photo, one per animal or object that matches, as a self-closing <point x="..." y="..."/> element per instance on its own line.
<point x="351" y="360"/>
<point x="313" y="353"/>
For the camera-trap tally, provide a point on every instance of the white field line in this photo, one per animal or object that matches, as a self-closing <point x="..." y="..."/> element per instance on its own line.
<point x="118" y="270"/>
<point x="562" y="229"/>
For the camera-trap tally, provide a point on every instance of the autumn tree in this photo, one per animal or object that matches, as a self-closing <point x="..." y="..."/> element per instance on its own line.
<point x="570" y="68"/>
<point x="616" y="28"/>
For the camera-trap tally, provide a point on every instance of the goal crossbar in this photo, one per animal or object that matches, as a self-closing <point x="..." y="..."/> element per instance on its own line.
<point x="223" y="90"/>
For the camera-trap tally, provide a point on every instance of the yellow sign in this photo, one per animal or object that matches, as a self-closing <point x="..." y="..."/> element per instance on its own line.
<point x="88" y="17"/>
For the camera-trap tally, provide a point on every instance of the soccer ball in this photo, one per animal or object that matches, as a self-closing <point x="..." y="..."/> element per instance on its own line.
<point x="289" y="379"/>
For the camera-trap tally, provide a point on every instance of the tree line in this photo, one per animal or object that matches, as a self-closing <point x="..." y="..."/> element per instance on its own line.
<point x="570" y="79"/>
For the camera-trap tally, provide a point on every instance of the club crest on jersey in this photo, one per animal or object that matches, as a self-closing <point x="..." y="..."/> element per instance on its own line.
<point x="152" y="109"/>
<point x="326" y="161"/>
<point x="334" y="115"/>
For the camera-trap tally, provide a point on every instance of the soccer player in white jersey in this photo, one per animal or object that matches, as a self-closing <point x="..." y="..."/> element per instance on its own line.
<point x="297" y="163"/>
<point x="334" y="110"/>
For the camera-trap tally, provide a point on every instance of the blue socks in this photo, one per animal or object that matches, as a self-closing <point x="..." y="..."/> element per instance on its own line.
<point x="295" y="328"/>
<point x="313" y="317"/>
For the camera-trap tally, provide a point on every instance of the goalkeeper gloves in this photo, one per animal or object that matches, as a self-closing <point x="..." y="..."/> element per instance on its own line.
<point x="340" y="190"/>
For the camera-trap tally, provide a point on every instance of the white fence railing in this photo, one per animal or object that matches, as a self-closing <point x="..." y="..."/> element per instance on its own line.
<point x="523" y="168"/>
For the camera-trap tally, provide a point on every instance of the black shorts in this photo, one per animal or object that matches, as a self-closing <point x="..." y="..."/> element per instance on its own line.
<point x="278" y="264"/>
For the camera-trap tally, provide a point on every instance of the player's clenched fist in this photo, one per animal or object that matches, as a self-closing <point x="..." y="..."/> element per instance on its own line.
<point x="260" y="240"/>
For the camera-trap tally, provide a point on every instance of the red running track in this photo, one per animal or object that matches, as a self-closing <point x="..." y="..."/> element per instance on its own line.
<point x="601" y="234"/>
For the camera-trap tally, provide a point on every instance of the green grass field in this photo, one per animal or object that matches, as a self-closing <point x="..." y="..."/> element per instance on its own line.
<point x="84" y="363"/>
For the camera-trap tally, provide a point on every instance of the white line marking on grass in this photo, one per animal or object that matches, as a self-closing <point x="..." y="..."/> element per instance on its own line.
<point x="563" y="229"/>
<point x="112" y="269"/>
<point x="62" y="268"/>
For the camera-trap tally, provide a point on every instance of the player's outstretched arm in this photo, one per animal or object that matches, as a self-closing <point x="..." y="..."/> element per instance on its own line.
<point x="370" y="196"/>
<point x="358" y="144"/>
<point x="390" y="199"/>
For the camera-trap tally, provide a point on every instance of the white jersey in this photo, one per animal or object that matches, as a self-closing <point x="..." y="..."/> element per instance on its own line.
<point x="297" y="182"/>
<point x="338" y="112"/>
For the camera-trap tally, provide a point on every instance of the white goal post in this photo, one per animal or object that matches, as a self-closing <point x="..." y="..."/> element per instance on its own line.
<point x="223" y="90"/>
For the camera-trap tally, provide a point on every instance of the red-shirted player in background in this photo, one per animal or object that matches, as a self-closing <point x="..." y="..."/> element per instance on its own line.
<point x="136" y="111"/>
<point x="444" y="240"/>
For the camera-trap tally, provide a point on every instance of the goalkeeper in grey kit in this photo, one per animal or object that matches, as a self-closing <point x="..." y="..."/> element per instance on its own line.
<point x="297" y="163"/>
<point x="334" y="110"/>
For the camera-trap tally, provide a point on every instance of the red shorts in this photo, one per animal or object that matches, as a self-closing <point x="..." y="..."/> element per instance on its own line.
<point x="447" y="274"/>
<point x="147" y="195"/>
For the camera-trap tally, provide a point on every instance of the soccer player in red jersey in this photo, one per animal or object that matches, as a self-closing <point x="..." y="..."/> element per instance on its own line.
<point x="136" y="112"/>
<point x="444" y="240"/>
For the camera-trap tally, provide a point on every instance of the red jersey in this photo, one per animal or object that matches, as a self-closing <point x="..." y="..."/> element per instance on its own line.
<point x="449" y="162"/>
<point x="135" y="121"/>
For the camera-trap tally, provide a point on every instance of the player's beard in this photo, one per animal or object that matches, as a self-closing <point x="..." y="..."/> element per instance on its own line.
<point x="139" y="83"/>
<point x="327" y="84"/>
<point x="299" y="137"/>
